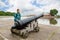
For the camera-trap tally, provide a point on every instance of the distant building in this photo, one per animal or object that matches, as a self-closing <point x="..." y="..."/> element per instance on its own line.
<point x="48" y="16"/>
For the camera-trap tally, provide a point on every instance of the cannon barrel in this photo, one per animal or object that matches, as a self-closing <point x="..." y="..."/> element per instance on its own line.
<point x="23" y="23"/>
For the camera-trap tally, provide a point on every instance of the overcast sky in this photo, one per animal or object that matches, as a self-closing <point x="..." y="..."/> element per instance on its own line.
<point x="29" y="5"/>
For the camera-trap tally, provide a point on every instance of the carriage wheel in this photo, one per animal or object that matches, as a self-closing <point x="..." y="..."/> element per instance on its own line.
<point x="25" y="35"/>
<point x="12" y="30"/>
<point x="36" y="29"/>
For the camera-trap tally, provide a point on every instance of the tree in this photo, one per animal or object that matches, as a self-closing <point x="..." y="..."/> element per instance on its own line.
<point x="53" y="12"/>
<point x="2" y="13"/>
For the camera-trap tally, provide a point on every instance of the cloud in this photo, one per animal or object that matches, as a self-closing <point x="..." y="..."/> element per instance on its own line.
<point x="15" y="5"/>
<point x="4" y="5"/>
<point x="52" y="4"/>
<point x="33" y="6"/>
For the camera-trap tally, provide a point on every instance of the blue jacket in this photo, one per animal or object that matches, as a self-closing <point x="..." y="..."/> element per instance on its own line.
<point x="17" y="16"/>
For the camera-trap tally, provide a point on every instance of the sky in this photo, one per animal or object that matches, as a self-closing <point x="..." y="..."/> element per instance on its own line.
<point x="29" y="6"/>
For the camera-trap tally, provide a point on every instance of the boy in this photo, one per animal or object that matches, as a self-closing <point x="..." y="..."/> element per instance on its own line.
<point x="17" y="16"/>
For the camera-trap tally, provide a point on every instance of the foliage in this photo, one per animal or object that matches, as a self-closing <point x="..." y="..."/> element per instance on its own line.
<point x="2" y="13"/>
<point x="53" y="12"/>
<point x="53" y="21"/>
<point x="58" y="16"/>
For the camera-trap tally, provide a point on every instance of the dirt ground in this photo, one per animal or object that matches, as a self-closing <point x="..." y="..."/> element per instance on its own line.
<point x="46" y="32"/>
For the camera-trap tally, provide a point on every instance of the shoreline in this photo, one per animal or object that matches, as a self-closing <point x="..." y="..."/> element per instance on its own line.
<point x="49" y="25"/>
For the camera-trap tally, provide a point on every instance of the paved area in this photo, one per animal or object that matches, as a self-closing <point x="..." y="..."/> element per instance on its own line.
<point x="46" y="32"/>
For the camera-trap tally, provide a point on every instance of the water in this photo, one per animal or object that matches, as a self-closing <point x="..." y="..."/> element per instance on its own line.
<point x="12" y="18"/>
<point x="47" y="22"/>
<point x="40" y="21"/>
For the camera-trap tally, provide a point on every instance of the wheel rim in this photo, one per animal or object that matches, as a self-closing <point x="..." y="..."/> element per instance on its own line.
<point x="25" y="35"/>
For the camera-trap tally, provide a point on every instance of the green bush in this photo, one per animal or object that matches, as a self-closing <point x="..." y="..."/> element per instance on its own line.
<point x="2" y="13"/>
<point x="53" y="12"/>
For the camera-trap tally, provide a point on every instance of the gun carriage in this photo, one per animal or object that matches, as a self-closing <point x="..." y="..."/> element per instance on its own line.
<point x="23" y="27"/>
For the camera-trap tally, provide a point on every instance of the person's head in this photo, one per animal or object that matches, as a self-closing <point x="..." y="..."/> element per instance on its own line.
<point x="18" y="10"/>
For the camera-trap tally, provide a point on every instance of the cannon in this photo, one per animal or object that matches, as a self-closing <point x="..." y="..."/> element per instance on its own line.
<point x="24" y="27"/>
